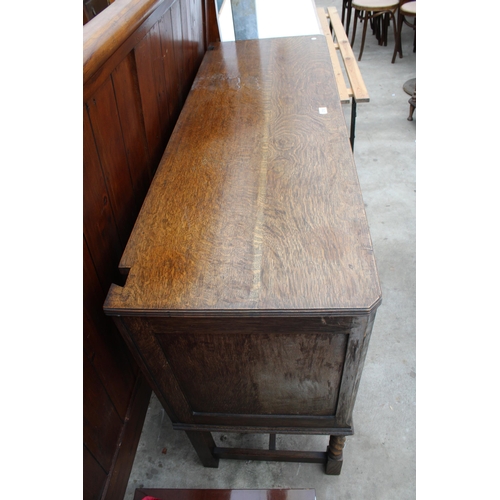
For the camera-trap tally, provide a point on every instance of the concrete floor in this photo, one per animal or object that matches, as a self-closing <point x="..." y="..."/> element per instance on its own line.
<point x="379" y="460"/>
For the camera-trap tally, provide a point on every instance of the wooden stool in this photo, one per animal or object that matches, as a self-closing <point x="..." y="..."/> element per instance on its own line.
<point x="413" y="104"/>
<point x="367" y="10"/>
<point x="406" y="9"/>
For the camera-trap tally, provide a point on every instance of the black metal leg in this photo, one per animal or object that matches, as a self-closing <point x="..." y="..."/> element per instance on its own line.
<point x="353" y="121"/>
<point x="349" y="11"/>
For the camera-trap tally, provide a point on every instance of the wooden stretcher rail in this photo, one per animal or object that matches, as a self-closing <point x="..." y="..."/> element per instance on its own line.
<point x="334" y="30"/>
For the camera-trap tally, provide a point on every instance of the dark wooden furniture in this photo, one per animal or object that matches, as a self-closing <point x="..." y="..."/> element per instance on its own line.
<point x="276" y="494"/>
<point x="251" y="286"/>
<point x="140" y="59"/>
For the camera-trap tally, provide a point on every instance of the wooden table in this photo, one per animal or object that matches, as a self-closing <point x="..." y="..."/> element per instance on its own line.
<point x="182" y="494"/>
<point x="251" y="285"/>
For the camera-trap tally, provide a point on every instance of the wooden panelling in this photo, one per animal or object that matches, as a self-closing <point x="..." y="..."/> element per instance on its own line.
<point x="152" y="86"/>
<point x="102" y="424"/>
<point x="179" y="58"/>
<point x="98" y="220"/>
<point x="102" y="342"/>
<point x="172" y="80"/>
<point x="117" y="485"/>
<point x="129" y="106"/>
<point x="136" y="78"/>
<point x="108" y="32"/>
<point x="108" y="136"/>
<point x="230" y="373"/>
<point x="94" y="476"/>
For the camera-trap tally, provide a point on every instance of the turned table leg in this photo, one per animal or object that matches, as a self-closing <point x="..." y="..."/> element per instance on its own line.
<point x="204" y="445"/>
<point x="335" y="456"/>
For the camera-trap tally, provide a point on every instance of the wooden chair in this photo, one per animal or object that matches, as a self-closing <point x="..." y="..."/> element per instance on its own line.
<point x="407" y="9"/>
<point x="368" y="10"/>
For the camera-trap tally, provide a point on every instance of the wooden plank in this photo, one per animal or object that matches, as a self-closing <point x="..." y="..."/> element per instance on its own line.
<point x="128" y="101"/>
<point x="136" y="414"/>
<point x="189" y="43"/>
<point x="344" y="92"/>
<point x="172" y="81"/>
<point x="101" y="424"/>
<point x="94" y="476"/>
<point x="210" y="23"/>
<point x="198" y="30"/>
<point x="97" y="78"/>
<point x="146" y="76"/>
<point x="162" y="96"/>
<point x="104" y="34"/>
<point x="99" y="225"/>
<point x="179" y="57"/>
<point x="356" y="81"/>
<point x="102" y="341"/>
<point x="312" y="457"/>
<point x="108" y="136"/>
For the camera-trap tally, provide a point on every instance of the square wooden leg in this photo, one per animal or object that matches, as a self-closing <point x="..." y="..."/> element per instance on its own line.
<point x="204" y="445"/>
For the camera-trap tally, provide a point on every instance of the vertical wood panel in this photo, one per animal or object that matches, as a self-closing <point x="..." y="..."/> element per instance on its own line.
<point x="149" y="100"/>
<point x="128" y="101"/>
<point x="211" y="28"/>
<point x="188" y="42"/>
<point x="172" y="80"/>
<point x="117" y="483"/>
<point x="175" y="14"/>
<point x="101" y="423"/>
<point x="162" y="94"/>
<point x="98" y="219"/>
<point x="182" y="35"/>
<point x="110" y="146"/>
<point x="103" y="343"/>
<point x="94" y="477"/>
<point x="197" y="13"/>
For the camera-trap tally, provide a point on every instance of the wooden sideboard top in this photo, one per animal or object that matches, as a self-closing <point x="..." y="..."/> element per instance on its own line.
<point x="256" y="206"/>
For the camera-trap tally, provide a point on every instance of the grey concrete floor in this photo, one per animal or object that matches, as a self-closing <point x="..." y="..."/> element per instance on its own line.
<point x="380" y="459"/>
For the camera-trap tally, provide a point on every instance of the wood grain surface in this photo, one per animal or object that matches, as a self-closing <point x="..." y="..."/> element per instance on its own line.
<point x="225" y="494"/>
<point x="255" y="366"/>
<point x="256" y="204"/>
